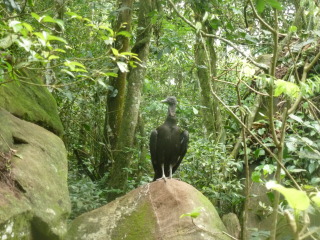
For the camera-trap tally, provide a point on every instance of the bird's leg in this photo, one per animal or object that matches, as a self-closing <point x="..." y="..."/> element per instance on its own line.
<point x="163" y="175"/>
<point x="170" y="167"/>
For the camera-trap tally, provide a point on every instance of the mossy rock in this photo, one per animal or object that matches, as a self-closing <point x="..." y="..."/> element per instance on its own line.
<point x="34" y="197"/>
<point x="151" y="212"/>
<point x="32" y="102"/>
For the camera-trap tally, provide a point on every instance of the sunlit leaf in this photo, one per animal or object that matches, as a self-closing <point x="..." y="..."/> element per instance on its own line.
<point x="129" y="54"/>
<point x="292" y="29"/>
<point x="194" y="214"/>
<point x="51" y="57"/>
<point x="28" y="26"/>
<point x="123" y="67"/>
<point x="115" y="52"/>
<point x="296" y="199"/>
<point x="296" y="118"/>
<point x="288" y="88"/>
<point x="198" y="26"/>
<point x="68" y="72"/>
<point x="8" y="41"/>
<point x="54" y="38"/>
<point x="107" y="28"/>
<point x="124" y="33"/>
<point x="195" y="111"/>
<point x="74" y="66"/>
<point x="16" y="25"/>
<point x="59" y="50"/>
<point x="35" y="16"/>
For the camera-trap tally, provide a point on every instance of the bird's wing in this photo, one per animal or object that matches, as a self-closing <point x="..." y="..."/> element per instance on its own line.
<point x="184" y="140"/>
<point x="153" y="153"/>
<point x="153" y="145"/>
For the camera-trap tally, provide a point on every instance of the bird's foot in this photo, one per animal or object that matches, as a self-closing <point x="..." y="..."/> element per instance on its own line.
<point x="164" y="178"/>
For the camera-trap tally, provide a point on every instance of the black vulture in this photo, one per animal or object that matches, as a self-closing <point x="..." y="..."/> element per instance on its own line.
<point x="168" y="144"/>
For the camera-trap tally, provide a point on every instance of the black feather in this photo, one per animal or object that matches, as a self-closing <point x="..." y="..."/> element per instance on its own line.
<point x="168" y="144"/>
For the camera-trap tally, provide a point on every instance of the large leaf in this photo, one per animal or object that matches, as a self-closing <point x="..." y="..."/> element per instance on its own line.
<point x="8" y="41"/>
<point x="123" y="66"/>
<point x="274" y="3"/>
<point x="260" y="5"/>
<point x="296" y="199"/>
<point x="288" y="88"/>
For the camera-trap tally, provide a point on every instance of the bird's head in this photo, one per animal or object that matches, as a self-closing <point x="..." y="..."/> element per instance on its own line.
<point x="170" y="100"/>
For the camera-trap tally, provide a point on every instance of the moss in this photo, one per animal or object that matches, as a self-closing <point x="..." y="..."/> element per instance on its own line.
<point x="17" y="228"/>
<point x="32" y="103"/>
<point x="140" y="225"/>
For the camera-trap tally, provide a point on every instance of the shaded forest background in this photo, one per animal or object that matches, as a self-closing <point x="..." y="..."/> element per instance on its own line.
<point x="245" y="73"/>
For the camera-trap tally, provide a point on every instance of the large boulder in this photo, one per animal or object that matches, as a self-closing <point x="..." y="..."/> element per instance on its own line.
<point x="152" y="212"/>
<point x="34" y="199"/>
<point x="32" y="102"/>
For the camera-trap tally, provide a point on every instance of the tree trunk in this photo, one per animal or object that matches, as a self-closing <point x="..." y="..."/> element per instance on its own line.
<point x="206" y="63"/>
<point x="115" y="101"/>
<point x="119" y="176"/>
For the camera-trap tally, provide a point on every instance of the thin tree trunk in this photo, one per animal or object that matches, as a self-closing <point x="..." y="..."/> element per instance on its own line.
<point x="115" y="100"/>
<point x="218" y="124"/>
<point x="119" y="176"/>
<point x="204" y="82"/>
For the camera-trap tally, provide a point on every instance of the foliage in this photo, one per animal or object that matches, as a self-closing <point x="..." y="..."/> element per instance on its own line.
<point x="85" y="195"/>
<point x="80" y="54"/>
<point x="218" y="176"/>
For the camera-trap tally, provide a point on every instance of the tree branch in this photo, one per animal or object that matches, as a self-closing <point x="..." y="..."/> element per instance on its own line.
<point x="262" y="66"/>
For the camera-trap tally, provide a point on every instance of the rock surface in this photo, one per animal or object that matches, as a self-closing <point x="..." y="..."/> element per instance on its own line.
<point x="31" y="102"/>
<point x="34" y="199"/>
<point x="151" y="212"/>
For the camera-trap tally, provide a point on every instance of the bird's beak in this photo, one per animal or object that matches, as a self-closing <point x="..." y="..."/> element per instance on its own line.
<point x="164" y="101"/>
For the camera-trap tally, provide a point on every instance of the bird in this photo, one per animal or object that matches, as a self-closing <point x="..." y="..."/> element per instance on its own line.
<point x="168" y="143"/>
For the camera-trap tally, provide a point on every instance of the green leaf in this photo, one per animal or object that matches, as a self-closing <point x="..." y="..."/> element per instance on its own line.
<point x="195" y="111"/>
<point x="54" y="38"/>
<point x="68" y="72"/>
<point x="128" y="53"/>
<point x="16" y="25"/>
<point x="194" y="214"/>
<point x="260" y="5"/>
<point x="316" y="199"/>
<point x="35" y="16"/>
<point x="25" y="43"/>
<point x="28" y="27"/>
<point x="18" y="156"/>
<point x="31" y="3"/>
<point x="47" y="18"/>
<point x="255" y="177"/>
<point x="124" y="33"/>
<point x="293" y="29"/>
<point x="115" y="52"/>
<point x="296" y="118"/>
<point x="296" y="199"/>
<point x="107" y="28"/>
<point x="123" y="66"/>
<point x="198" y="26"/>
<point x="73" y="66"/>
<point x="274" y="3"/>
<point x="288" y="88"/>
<point x="59" y="50"/>
<point x="100" y="81"/>
<point x="8" y="41"/>
<point x="51" y="57"/>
